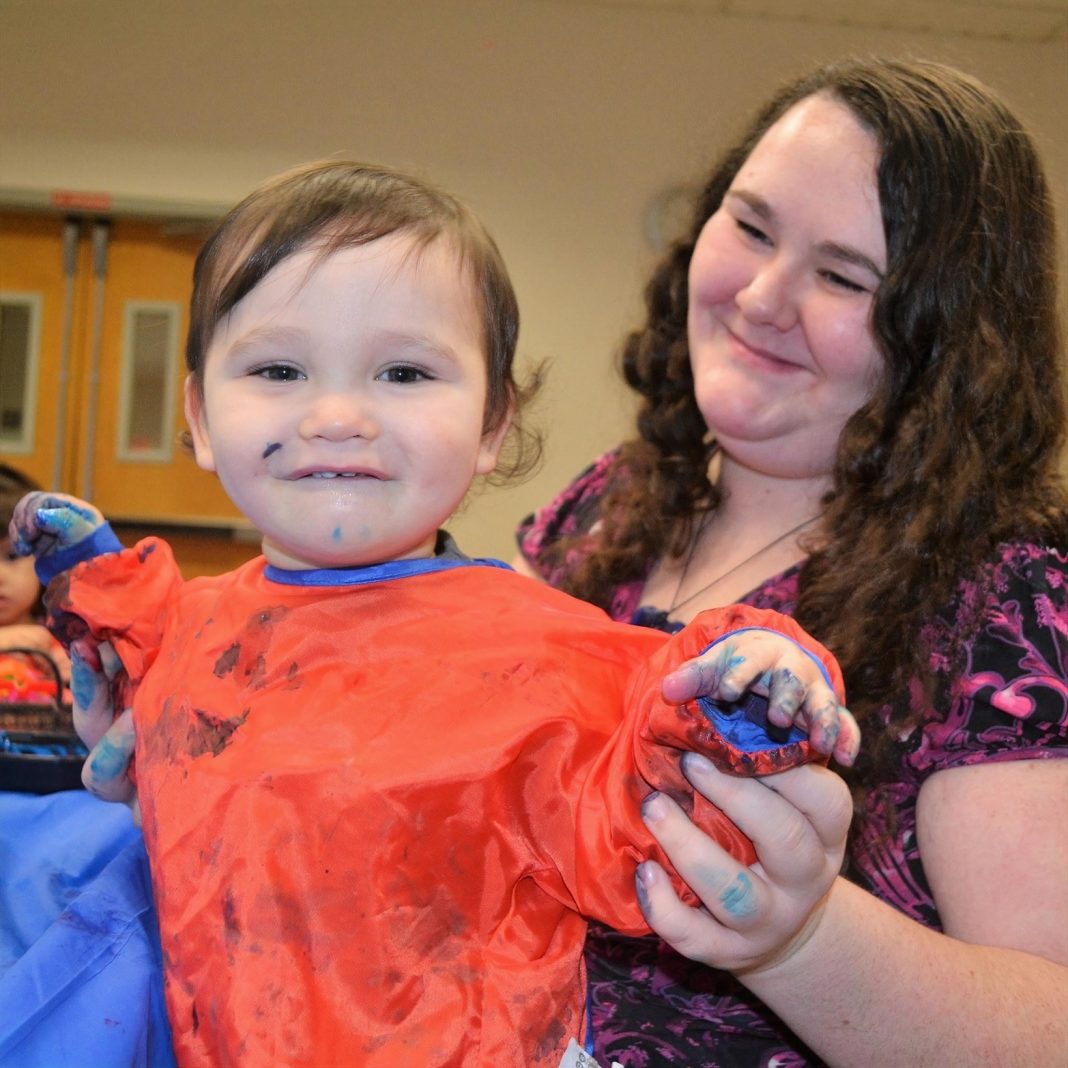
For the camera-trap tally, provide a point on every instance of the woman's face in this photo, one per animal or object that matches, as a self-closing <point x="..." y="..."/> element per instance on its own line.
<point x="782" y="282"/>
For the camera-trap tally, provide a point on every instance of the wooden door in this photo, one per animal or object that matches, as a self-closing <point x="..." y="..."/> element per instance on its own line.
<point x="93" y="317"/>
<point x="103" y="419"/>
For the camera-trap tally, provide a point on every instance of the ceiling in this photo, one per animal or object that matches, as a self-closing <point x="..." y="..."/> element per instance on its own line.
<point x="1010" y="20"/>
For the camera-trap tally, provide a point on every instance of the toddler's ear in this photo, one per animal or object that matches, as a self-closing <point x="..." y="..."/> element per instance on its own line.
<point x="490" y="448"/>
<point x="198" y="425"/>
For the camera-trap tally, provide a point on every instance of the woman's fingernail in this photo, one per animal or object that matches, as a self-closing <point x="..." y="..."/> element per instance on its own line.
<point x="696" y="764"/>
<point x="646" y="874"/>
<point x="653" y="808"/>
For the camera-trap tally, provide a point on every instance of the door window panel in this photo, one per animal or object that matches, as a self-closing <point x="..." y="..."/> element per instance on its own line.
<point x="20" y="350"/>
<point x="149" y="374"/>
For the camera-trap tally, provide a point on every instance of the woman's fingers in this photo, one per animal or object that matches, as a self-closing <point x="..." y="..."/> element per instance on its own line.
<point x="794" y="819"/>
<point x="817" y="802"/>
<point x="94" y="666"/>
<point x="691" y="932"/>
<point x="105" y="772"/>
<point x="725" y="886"/>
<point x="797" y="821"/>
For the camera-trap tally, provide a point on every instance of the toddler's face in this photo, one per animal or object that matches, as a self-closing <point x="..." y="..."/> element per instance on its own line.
<point x="18" y="585"/>
<point x="343" y="403"/>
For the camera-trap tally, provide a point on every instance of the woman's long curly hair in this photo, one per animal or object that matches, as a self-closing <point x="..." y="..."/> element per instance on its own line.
<point x="956" y="451"/>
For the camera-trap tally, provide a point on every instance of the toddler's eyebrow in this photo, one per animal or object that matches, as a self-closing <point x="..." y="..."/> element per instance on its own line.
<point x="402" y="340"/>
<point x="263" y="337"/>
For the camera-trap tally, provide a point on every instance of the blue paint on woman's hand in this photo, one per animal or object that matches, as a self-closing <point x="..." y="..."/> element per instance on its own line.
<point x="108" y="762"/>
<point x="84" y="682"/>
<point x="738" y="899"/>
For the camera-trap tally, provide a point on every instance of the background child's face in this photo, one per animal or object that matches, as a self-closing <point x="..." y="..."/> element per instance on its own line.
<point x="343" y="403"/>
<point x="18" y="585"/>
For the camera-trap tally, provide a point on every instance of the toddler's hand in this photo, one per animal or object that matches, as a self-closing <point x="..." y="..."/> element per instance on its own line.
<point x="43" y="523"/>
<point x="778" y="668"/>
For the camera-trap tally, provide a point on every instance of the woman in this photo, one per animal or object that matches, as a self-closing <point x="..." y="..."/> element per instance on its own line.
<point x="853" y="410"/>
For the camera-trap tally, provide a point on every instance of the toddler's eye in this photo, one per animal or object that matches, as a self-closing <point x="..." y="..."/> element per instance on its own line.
<point x="403" y="374"/>
<point x="277" y="372"/>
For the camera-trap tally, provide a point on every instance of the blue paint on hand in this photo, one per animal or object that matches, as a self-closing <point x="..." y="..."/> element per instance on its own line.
<point x="738" y="899"/>
<point x="68" y="522"/>
<point x="107" y="762"/>
<point x="337" y="534"/>
<point x="83" y="682"/>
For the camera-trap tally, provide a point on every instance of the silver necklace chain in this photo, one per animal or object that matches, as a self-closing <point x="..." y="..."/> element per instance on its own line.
<point x="676" y="603"/>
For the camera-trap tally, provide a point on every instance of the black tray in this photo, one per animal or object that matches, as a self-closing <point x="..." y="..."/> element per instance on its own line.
<point x="39" y="751"/>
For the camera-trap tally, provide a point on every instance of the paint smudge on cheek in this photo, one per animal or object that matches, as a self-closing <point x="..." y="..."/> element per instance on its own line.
<point x="272" y="447"/>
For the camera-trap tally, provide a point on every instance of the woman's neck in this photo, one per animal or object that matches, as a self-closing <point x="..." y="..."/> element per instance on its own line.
<point x="752" y="536"/>
<point x="754" y="503"/>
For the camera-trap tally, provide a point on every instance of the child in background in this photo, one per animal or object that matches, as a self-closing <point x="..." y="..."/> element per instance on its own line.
<point x="383" y="784"/>
<point x="24" y="679"/>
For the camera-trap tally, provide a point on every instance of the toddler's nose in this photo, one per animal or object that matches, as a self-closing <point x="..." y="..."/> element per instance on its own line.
<point x="339" y="416"/>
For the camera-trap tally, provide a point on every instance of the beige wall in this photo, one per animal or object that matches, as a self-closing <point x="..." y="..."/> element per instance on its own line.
<point x="559" y="121"/>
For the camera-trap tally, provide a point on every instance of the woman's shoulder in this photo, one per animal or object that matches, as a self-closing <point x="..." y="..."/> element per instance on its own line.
<point x="1019" y="596"/>
<point x="1004" y="674"/>
<point x="575" y="510"/>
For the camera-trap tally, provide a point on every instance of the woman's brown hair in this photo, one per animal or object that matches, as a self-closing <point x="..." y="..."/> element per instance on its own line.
<point x="958" y="448"/>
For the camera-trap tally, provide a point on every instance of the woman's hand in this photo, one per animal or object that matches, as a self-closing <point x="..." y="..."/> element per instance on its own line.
<point x="778" y="668"/>
<point x="110" y="738"/>
<point x="752" y="917"/>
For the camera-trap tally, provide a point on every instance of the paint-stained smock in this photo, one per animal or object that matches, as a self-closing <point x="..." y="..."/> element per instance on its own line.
<point x="379" y="804"/>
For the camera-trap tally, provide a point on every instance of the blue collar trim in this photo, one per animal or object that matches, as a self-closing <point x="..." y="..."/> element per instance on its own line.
<point x="361" y="576"/>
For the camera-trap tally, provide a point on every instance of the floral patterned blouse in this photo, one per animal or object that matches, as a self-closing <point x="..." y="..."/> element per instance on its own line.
<point x="650" y="1006"/>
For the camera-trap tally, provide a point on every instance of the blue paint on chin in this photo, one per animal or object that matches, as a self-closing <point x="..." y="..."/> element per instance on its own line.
<point x="337" y="534"/>
<point x="272" y="446"/>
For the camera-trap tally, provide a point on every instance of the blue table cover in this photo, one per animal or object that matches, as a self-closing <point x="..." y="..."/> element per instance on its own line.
<point x="81" y="981"/>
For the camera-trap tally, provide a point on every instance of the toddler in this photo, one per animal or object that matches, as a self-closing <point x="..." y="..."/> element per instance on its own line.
<point x="383" y="785"/>
<point x="24" y="678"/>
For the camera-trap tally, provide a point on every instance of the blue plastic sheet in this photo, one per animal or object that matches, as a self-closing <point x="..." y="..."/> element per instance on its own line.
<point x="80" y="964"/>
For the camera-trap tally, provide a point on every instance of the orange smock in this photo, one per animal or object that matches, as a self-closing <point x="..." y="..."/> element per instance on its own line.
<point x="380" y="804"/>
